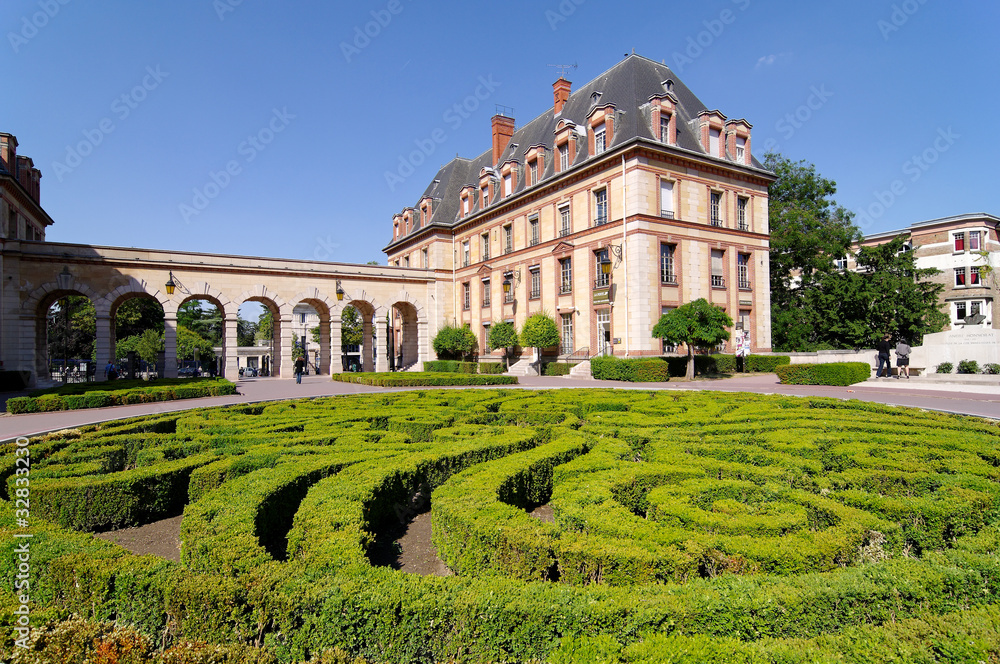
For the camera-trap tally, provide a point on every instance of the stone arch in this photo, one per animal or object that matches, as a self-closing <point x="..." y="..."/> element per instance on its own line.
<point x="134" y="288"/>
<point x="408" y="331"/>
<point x="275" y="304"/>
<point x="325" y="309"/>
<point x="205" y="291"/>
<point x="35" y="321"/>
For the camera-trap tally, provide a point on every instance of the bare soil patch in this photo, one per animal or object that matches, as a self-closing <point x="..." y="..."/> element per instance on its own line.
<point x="160" y="538"/>
<point x="543" y="513"/>
<point x="407" y="547"/>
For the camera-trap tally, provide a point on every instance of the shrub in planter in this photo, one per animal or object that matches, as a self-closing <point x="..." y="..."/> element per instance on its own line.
<point x="968" y="367"/>
<point x="991" y="368"/>
<point x="944" y="368"/>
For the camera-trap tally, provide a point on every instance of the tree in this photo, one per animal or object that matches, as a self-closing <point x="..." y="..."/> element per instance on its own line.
<point x="206" y="322"/>
<point x="454" y="343"/>
<point x="137" y="315"/>
<point x="695" y="324"/>
<point x="351" y="327"/>
<point x="76" y="340"/>
<point x="887" y="294"/>
<point x="539" y="331"/>
<point x="246" y="332"/>
<point x="265" y="326"/>
<point x="502" y="335"/>
<point x="809" y="231"/>
<point x="189" y="341"/>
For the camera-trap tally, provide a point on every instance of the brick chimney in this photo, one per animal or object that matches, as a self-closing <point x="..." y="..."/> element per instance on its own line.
<point x="8" y="152"/>
<point x="503" y="129"/>
<point x="560" y="91"/>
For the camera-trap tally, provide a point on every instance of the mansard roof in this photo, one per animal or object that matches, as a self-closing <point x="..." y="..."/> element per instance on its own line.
<point x="628" y="87"/>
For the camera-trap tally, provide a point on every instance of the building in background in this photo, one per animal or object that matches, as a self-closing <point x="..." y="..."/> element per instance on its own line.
<point x="626" y="198"/>
<point x="21" y="213"/>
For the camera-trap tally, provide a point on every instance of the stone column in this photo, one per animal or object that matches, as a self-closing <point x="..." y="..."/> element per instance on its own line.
<point x="367" y="357"/>
<point x="170" y="346"/>
<point x="229" y="346"/>
<point x="103" y="345"/>
<point x="325" y="352"/>
<point x="381" y="345"/>
<point x="283" y="348"/>
<point x="336" y="354"/>
<point x="423" y="345"/>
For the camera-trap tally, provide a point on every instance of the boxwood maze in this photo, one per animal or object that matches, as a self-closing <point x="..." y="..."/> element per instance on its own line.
<point x="688" y="527"/>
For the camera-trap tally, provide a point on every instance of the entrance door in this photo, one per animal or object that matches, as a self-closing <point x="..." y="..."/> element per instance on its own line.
<point x="603" y="331"/>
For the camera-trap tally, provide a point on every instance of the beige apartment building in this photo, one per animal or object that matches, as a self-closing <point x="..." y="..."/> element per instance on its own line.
<point x="627" y="198"/>
<point x="966" y="249"/>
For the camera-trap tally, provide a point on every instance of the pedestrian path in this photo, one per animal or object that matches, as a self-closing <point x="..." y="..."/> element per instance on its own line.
<point x="981" y="400"/>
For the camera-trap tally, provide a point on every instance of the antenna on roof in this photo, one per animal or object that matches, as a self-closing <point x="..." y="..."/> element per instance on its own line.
<point x="506" y="111"/>
<point x="564" y="69"/>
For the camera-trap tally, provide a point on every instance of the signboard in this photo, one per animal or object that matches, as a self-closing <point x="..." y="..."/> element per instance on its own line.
<point x="602" y="295"/>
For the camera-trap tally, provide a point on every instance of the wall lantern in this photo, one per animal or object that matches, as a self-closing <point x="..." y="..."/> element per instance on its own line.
<point x="65" y="279"/>
<point x="170" y="284"/>
<point x="605" y="266"/>
<point x="340" y="291"/>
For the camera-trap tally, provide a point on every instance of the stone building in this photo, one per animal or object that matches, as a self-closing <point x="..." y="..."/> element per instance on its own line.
<point x="21" y="213"/>
<point x="626" y="198"/>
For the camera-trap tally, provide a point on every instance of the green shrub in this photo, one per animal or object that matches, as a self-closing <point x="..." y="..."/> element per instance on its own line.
<point x="451" y="366"/>
<point x="492" y="368"/>
<point x="102" y="395"/>
<point x="728" y="364"/>
<point x="991" y="368"/>
<point x="424" y="379"/>
<point x="944" y="368"/>
<point x="968" y="367"/>
<point x="557" y="368"/>
<point x="834" y="373"/>
<point x="634" y="370"/>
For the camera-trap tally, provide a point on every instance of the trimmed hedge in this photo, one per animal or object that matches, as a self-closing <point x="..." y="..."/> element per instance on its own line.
<point x="425" y="379"/>
<point x="557" y="368"/>
<point x="834" y="373"/>
<point x="688" y="527"/>
<point x="632" y="370"/>
<point x="451" y="366"/>
<point x="729" y="364"/>
<point x="74" y="397"/>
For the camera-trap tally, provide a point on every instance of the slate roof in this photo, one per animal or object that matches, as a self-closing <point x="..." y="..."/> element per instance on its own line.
<point x="627" y="86"/>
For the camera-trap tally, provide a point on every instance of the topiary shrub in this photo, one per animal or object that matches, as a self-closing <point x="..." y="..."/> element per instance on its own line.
<point x="944" y="368"/>
<point x="651" y="370"/>
<point x="968" y="367"/>
<point x="834" y="373"/>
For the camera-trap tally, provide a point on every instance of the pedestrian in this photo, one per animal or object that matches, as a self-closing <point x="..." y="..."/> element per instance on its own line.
<point x="109" y="371"/>
<point x="884" y="359"/>
<point x="903" y="359"/>
<point x="300" y="366"/>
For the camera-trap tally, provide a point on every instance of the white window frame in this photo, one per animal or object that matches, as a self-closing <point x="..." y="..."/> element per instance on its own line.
<point x="599" y="219"/>
<point x="565" y="220"/>
<point x="667" y="202"/>
<point x="600" y="139"/>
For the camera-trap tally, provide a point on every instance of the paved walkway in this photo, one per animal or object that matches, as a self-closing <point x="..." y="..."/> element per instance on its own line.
<point x="981" y="401"/>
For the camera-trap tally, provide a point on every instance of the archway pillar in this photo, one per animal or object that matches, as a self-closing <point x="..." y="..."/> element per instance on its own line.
<point x="381" y="345"/>
<point x="367" y="358"/>
<point x="336" y="352"/>
<point x="325" y="351"/>
<point x="103" y="345"/>
<point x="229" y="346"/>
<point x="423" y="344"/>
<point x="284" y="340"/>
<point x="169" y="346"/>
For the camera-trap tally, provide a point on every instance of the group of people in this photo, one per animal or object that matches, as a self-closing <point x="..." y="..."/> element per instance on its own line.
<point x="885" y="359"/>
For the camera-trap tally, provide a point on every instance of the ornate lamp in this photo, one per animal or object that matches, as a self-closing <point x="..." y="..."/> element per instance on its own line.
<point x="170" y="284"/>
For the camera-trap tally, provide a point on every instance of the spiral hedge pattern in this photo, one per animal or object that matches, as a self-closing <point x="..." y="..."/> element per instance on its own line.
<point x="689" y="527"/>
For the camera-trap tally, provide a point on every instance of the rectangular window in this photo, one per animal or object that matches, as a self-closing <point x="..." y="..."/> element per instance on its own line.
<point x="599" y="139"/>
<point x="600" y="207"/>
<point x="425" y="263"/>
<point x="959" y="241"/>
<point x="664" y="128"/>
<point x="718" y="269"/>
<point x="667" y="199"/>
<point x="484" y="245"/>
<point x="406" y="261"/>
<point x="566" y="339"/>
<point x="603" y="331"/>
<point x="466" y="257"/>
<point x="713" y="142"/>
<point x="960" y="312"/>
<point x="667" y="348"/>
<point x="563" y="157"/>
<point x="486" y="292"/>
<point x="536" y="284"/>
<point x="744" y="319"/>
<point x="508" y="239"/>
<point x="533" y="226"/>
<point x="485" y="196"/>
<point x="959" y="276"/>
<point x="743" y="270"/>
<point x="507" y="185"/>
<point x="715" y="207"/>
<point x="302" y="318"/>
<point x="741" y="149"/>
<point x="566" y="275"/>
<point x="466" y="295"/>
<point x="533" y="172"/>
<point x="840" y="263"/>
<point x="741" y="214"/>
<point x="974" y="278"/>
<point x="974" y="244"/>
<point x="465" y="205"/>
<point x="667" y="273"/>
<point x="508" y="294"/>
<point x="566" y="222"/>
<point x="602" y="279"/>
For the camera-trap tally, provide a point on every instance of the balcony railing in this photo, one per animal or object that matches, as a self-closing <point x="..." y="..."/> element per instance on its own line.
<point x="486" y="301"/>
<point x="602" y="281"/>
<point x="718" y="281"/>
<point x="508" y="249"/>
<point x="716" y="222"/>
<point x="668" y="278"/>
<point x="565" y="288"/>
<point x="564" y="232"/>
<point x="744" y="283"/>
<point x="667" y="214"/>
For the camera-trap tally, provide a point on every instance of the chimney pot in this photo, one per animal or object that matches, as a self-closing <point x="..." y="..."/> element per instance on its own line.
<point x="503" y="130"/>
<point x="560" y="92"/>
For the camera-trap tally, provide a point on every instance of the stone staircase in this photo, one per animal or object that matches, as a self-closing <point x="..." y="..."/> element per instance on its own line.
<point x="524" y="367"/>
<point x="581" y="370"/>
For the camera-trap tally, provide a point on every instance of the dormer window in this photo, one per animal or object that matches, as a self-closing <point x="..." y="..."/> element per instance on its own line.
<point x="595" y="97"/>
<point x="600" y="138"/>
<point x="533" y="172"/>
<point x="713" y="142"/>
<point x="507" y="185"/>
<point x="563" y="157"/>
<point x="466" y="203"/>
<point x="485" y="195"/>
<point x="741" y="149"/>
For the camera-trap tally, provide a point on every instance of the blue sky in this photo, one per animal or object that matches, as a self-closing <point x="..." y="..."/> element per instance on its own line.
<point x="265" y="128"/>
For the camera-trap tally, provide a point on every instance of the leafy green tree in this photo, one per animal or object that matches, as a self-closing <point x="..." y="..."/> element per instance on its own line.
<point x="137" y="315"/>
<point x="455" y="343"/>
<point x="502" y="335"/>
<point x="205" y="321"/>
<point x="76" y="339"/>
<point x="265" y="326"/>
<point x="539" y="331"/>
<point x="808" y="232"/>
<point x="887" y="294"/>
<point x="351" y="327"/>
<point x="189" y="341"/>
<point x="695" y="324"/>
<point x="246" y="332"/>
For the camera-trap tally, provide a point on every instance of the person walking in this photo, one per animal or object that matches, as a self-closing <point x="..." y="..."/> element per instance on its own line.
<point x="884" y="358"/>
<point x="300" y="366"/>
<point x="903" y="359"/>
